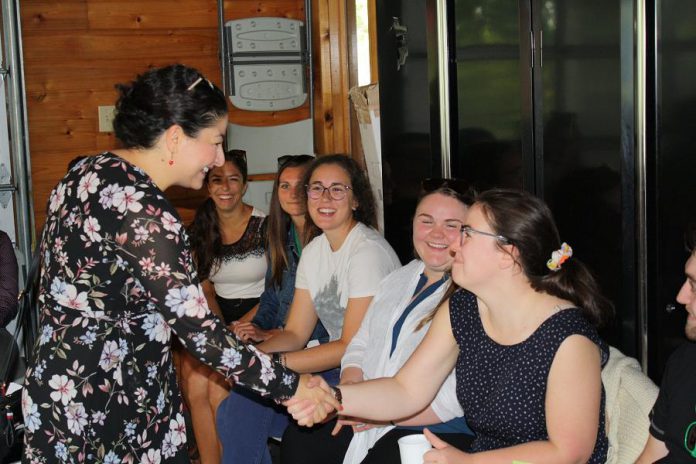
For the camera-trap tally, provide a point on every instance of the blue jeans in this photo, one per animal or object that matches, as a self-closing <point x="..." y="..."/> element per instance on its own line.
<point x="245" y="422"/>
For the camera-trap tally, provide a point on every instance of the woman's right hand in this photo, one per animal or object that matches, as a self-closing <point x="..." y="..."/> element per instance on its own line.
<point x="313" y="401"/>
<point x="250" y="332"/>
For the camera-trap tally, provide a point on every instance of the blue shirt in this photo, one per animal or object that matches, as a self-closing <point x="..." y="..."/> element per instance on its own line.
<point x="276" y="299"/>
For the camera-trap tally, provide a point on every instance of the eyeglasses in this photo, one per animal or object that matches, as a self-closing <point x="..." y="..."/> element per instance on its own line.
<point x="297" y="159"/>
<point x="336" y="191"/>
<point x="466" y="231"/>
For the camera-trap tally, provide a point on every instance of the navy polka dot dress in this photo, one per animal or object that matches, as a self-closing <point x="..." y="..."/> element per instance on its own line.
<point x="502" y="388"/>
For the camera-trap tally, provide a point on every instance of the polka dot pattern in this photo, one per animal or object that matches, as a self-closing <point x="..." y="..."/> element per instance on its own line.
<point x="502" y="388"/>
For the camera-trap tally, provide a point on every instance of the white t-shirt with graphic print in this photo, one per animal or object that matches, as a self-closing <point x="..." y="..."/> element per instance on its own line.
<point x="353" y="271"/>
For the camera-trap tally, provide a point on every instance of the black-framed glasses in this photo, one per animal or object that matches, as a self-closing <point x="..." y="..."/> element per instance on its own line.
<point x="466" y="231"/>
<point x="297" y="159"/>
<point x="336" y="191"/>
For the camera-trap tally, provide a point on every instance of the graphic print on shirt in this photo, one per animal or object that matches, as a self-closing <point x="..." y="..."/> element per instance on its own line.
<point x="328" y="306"/>
<point x="690" y="438"/>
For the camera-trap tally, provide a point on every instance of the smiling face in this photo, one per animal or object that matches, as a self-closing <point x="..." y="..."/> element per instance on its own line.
<point x="687" y="297"/>
<point x="477" y="258"/>
<point x="195" y="156"/>
<point x="436" y="226"/>
<point x="328" y="214"/>
<point x="226" y="186"/>
<point x="290" y="191"/>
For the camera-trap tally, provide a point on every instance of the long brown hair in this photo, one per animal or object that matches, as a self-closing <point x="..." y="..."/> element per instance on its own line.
<point x="204" y="231"/>
<point x="366" y="212"/>
<point x="279" y="222"/>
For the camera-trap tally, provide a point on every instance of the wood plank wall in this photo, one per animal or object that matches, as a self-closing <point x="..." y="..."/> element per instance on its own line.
<point x="76" y="50"/>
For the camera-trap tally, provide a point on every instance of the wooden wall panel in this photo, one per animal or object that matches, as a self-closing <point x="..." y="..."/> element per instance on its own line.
<point x="152" y="14"/>
<point x="75" y="51"/>
<point x="52" y="15"/>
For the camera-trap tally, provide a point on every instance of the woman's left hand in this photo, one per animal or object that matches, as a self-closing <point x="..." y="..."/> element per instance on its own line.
<point x="443" y="452"/>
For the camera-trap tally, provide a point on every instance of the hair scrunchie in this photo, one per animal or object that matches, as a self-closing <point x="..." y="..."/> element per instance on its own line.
<point x="559" y="257"/>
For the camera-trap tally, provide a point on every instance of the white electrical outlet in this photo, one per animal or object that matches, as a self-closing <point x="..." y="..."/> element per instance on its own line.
<point x="106" y="118"/>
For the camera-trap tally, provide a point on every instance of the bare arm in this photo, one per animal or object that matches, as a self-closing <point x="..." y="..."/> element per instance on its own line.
<point x="572" y="425"/>
<point x="209" y="292"/>
<point x="249" y="314"/>
<point x="654" y="449"/>
<point x="328" y="355"/>
<point x="410" y="391"/>
<point x="302" y="318"/>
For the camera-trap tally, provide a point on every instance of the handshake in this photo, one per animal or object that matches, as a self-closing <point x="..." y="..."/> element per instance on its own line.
<point x="314" y="400"/>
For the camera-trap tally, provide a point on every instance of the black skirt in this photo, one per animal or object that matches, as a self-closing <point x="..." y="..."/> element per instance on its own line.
<point x="234" y="308"/>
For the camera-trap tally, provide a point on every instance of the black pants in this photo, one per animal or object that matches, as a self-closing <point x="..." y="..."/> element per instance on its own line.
<point x="386" y="450"/>
<point x="234" y="308"/>
<point x="315" y="445"/>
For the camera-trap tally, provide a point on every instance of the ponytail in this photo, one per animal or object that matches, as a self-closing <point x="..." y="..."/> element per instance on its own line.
<point x="526" y="223"/>
<point x="574" y="282"/>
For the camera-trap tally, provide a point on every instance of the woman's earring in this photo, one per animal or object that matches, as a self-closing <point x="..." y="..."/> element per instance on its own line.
<point x="171" y="160"/>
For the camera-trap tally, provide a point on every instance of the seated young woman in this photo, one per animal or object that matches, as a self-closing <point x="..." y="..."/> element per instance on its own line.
<point x="245" y="440"/>
<point x="227" y="239"/>
<point x="396" y="322"/>
<point x="285" y="238"/>
<point x="337" y="276"/>
<point x="522" y="337"/>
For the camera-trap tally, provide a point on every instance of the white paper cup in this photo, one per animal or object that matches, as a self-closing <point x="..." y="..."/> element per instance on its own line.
<point x="412" y="448"/>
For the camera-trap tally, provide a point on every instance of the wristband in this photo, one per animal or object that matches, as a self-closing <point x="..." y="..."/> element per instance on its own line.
<point x="279" y="358"/>
<point x="338" y="395"/>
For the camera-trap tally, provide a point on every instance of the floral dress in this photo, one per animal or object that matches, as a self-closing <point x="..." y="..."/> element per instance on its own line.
<point x="117" y="281"/>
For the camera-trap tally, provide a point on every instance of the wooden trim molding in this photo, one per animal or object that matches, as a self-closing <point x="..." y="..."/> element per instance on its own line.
<point x="331" y="103"/>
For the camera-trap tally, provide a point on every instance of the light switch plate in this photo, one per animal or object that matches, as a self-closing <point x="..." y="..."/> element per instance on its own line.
<point x="106" y="118"/>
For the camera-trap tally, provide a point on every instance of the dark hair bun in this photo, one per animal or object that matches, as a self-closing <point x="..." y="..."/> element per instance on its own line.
<point x="163" y="97"/>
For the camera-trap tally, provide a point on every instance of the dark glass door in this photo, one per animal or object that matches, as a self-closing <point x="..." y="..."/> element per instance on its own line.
<point x="584" y="171"/>
<point x="405" y="114"/>
<point x="671" y="170"/>
<point x="491" y="120"/>
<point x="544" y="101"/>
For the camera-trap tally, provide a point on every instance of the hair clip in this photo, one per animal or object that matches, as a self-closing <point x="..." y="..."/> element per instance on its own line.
<point x="559" y="257"/>
<point x="195" y="83"/>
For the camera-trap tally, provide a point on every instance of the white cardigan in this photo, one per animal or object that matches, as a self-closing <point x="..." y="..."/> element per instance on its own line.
<point x="630" y="397"/>
<point x="370" y="346"/>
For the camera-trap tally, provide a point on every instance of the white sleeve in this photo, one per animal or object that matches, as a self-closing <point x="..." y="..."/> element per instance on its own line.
<point x="356" y="349"/>
<point x="446" y="404"/>
<point x="368" y="266"/>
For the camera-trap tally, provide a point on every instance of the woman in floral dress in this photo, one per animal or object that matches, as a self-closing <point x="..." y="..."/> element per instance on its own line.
<point x="118" y="281"/>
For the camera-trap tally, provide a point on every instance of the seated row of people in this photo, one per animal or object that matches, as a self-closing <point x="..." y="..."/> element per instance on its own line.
<point x="118" y="280"/>
<point x="376" y="328"/>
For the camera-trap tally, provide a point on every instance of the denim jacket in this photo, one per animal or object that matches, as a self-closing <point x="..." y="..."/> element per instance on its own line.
<point x="275" y="300"/>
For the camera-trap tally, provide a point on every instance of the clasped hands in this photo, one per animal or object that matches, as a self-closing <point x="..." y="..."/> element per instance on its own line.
<point x="313" y="401"/>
